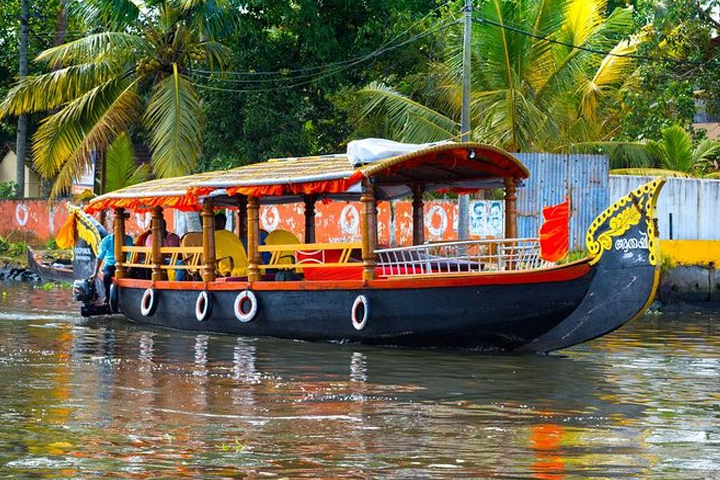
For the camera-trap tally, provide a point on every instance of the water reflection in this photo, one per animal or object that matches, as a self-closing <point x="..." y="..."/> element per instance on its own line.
<point x="81" y="400"/>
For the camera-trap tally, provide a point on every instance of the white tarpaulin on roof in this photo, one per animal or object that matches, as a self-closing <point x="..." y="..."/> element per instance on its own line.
<point x="369" y="150"/>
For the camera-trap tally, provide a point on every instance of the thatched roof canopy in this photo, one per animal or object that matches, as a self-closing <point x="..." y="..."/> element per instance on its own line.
<point x="459" y="166"/>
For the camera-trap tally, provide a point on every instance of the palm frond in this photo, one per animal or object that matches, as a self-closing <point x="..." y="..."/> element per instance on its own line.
<point x="677" y="148"/>
<point x="50" y="90"/>
<point x="649" y="172"/>
<point x="112" y="121"/>
<point x="218" y="55"/>
<point x="112" y="14"/>
<point x="611" y="72"/>
<point x="211" y="18"/>
<point x="403" y="114"/>
<point x="620" y="154"/>
<point x="583" y="17"/>
<point x="704" y="150"/>
<point x="120" y="167"/>
<point x="64" y="141"/>
<point x="174" y="117"/>
<point x="94" y="47"/>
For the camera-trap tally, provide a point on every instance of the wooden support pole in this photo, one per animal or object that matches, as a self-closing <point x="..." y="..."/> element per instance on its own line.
<point x="119" y="232"/>
<point x="253" y="238"/>
<point x="208" y="228"/>
<point x="157" y="242"/>
<point x="418" y="215"/>
<point x="310" y="218"/>
<point x="242" y="217"/>
<point x="510" y="208"/>
<point x="369" y="230"/>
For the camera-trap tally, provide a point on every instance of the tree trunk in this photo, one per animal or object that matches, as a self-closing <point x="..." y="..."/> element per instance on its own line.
<point x="23" y="120"/>
<point x="61" y="24"/>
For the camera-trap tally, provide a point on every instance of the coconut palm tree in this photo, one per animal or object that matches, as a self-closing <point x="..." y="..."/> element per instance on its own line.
<point x="531" y="89"/>
<point x="674" y="155"/>
<point x="131" y="76"/>
<point x="675" y="151"/>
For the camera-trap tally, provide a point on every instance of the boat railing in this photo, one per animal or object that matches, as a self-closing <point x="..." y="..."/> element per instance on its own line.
<point x="175" y="258"/>
<point x="430" y="258"/>
<point x="309" y="255"/>
<point x="282" y="257"/>
<point x="462" y="257"/>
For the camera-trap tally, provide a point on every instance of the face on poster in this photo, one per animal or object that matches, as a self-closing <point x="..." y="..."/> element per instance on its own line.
<point x="487" y="218"/>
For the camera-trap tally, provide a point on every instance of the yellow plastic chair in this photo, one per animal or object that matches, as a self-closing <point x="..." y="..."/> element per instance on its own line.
<point x="230" y="254"/>
<point x="192" y="239"/>
<point x="282" y="237"/>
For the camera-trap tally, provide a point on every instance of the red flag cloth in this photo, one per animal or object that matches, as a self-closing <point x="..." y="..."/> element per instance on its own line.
<point x="555" y="232"/>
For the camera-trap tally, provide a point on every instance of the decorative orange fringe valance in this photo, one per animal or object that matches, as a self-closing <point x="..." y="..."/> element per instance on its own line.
<point x="190" y="201"/>
<point x="330" y="186"/>
<point x="143" y="204"/>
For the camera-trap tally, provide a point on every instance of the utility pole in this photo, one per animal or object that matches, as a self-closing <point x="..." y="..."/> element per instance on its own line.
<point x="21" y="139"/>
<point x="463" y="200"/>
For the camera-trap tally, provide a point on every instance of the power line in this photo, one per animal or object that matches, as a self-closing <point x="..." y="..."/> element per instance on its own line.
<point x="321" y="67"/>
<point x="588" y="49"/>
<point x="330" y="72"/>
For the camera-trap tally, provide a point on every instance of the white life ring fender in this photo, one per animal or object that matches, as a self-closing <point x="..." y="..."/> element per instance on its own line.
<point x="359" y="323"/>
<point x="203" y="306"/>
<point x="243" y="298"/>
<point x="148" y="305"/>
<point x="113" y="296"/>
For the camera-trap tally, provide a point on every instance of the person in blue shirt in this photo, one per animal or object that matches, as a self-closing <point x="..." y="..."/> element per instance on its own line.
<point x="106" y="255"/>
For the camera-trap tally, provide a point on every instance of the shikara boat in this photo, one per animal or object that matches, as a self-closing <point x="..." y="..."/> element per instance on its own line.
<point x="49" y="272"/>
<point x="488" y="294"/>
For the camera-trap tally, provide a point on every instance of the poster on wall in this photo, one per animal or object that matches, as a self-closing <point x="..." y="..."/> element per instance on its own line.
<point x="487" y="218"/>
<point x="86" y="181"/>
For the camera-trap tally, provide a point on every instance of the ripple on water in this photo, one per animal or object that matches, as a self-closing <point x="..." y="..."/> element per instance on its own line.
<point x="115" y="400"/>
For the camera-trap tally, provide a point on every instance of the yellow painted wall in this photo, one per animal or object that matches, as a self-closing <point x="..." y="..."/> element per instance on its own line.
<point x="692" y="252"/>
<point x="8" y="174"/>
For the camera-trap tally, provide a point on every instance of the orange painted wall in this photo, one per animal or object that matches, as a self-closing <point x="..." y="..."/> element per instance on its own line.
<point x="36" y="221"/>
<point x="340" y="221"/>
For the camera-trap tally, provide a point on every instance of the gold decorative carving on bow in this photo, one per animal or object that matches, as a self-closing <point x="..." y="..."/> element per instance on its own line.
<point x="641" y="202"/>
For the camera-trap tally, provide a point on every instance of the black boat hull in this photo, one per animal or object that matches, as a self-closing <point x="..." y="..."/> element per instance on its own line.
<point x="487" y="315"/>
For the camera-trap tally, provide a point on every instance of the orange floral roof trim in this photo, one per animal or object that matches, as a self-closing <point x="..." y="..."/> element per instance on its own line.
<point x="308" y="188"/>
<point x="186" y="203"/>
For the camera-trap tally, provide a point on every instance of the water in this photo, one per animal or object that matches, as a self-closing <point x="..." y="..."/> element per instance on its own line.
<point x="107" y="399"/>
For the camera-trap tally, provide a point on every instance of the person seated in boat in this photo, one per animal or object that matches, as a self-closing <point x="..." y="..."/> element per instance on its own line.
<point x="106" y="257"/>
<point x="229" y="250"/>
<point x="169" y="239"/>
<point x="264" y="256"/>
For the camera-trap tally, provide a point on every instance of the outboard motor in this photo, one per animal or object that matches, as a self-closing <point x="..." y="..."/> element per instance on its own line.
<point x="85" y="291"/>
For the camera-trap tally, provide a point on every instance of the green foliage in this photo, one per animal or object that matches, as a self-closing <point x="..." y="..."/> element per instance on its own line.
<point x="675" y="151"/>
<point x="133" y="74"/>
<point x="8" y="189"/>
<point x="304" y="108"/>
<point x="121" y="169"/>
<point x="666" y="263"/>
<point x="9" y="248"/>
<point x="528" y="94"/>
<point x="51" y="244"/>
<point x="665" y="93"/>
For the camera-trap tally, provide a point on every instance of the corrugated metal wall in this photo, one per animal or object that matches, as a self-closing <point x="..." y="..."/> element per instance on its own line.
<point x="692" y="204"/>
<point x="582" y="178"/>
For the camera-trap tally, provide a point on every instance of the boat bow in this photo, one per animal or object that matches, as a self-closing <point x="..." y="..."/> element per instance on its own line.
<point x="623" y="248"/>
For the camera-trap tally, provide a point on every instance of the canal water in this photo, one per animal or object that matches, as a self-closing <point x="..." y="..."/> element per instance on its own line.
<point x="107" y="399"/>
